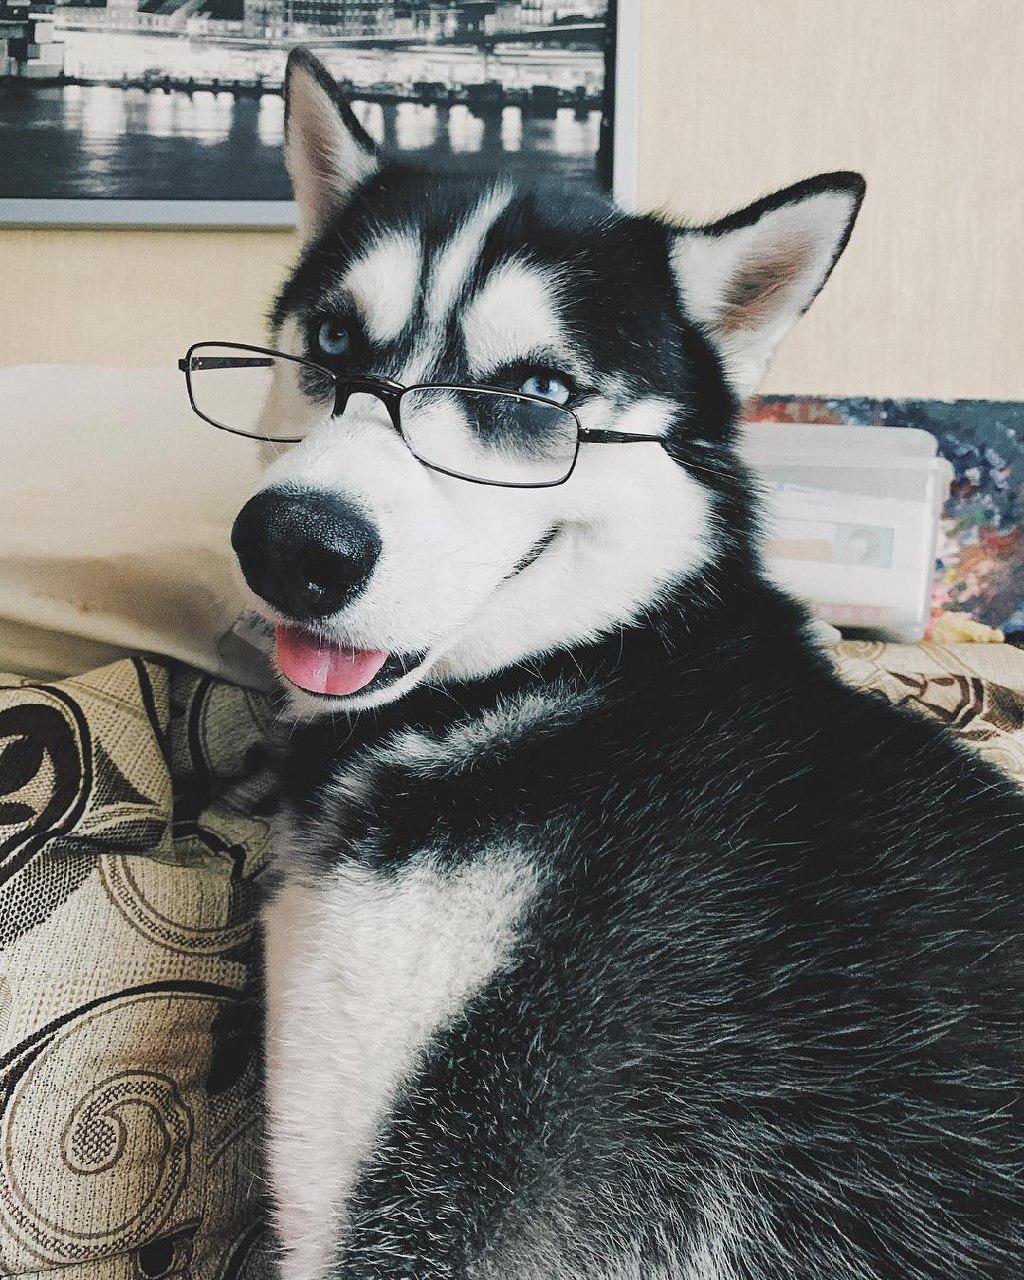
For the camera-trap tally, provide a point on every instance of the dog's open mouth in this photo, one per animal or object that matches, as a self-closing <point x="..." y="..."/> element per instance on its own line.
<point x="321" y="666"/>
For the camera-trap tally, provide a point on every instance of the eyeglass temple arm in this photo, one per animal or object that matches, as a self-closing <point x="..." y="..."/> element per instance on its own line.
<point x="597" y="436"/>
<point x="186" y="363"/>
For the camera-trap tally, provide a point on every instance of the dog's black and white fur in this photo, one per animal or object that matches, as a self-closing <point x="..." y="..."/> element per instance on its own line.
<point x="613" y="937"/>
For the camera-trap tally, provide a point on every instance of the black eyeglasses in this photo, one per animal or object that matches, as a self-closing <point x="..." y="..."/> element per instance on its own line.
<point x="479" y="434"/>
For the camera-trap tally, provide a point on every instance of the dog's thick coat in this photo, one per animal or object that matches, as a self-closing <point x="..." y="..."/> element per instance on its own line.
<point x="613" y="938"/>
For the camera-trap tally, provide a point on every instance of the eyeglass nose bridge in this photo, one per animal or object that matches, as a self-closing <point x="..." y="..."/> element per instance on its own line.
<point x="383" y="389"/>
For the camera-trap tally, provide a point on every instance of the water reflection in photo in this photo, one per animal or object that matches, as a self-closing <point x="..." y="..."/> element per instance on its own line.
<point x="139" y="115"/>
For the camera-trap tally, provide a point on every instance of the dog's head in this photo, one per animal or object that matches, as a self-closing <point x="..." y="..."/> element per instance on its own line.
<point x="382" y="572"/>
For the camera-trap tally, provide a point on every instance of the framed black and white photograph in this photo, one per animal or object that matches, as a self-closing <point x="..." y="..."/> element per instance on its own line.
<point x="170" y="112"/>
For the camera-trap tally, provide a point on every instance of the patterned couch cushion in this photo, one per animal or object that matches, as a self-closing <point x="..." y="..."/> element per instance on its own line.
<point x="975" y="689"/>
<point x="133" y="834"/>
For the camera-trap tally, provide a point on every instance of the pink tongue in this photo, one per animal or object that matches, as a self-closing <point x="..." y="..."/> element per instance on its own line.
<point x="321" y="667"/>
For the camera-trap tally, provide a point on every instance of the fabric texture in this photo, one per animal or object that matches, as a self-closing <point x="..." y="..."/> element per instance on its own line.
<point x="134" y="811"/>
<point x="975" y="689"/>
<point x="133" y="836"/>
<point x="116" y="504"/>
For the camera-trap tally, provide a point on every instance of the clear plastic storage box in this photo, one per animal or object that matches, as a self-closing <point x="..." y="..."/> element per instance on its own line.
<point x="851" y="520"/>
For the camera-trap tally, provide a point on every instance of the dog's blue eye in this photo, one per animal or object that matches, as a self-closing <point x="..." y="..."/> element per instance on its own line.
<point x="333" y="338"/>
<point x="547" y="387"/>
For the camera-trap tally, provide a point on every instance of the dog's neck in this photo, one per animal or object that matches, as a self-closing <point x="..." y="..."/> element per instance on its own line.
<point x="727" y="633"/>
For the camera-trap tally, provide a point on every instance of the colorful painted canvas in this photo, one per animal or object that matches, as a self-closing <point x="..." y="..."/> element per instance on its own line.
<point x="981" y="553"/>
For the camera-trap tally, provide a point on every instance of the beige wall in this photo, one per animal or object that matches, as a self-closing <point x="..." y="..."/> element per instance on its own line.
<point x="738" y="97"/>
<point x="133" y="297"/>
<point x="926" y="99"/>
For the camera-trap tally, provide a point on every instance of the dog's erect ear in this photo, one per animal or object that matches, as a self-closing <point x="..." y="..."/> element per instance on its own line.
<point x="749" y="277"/>
<point x="326" y="149"/>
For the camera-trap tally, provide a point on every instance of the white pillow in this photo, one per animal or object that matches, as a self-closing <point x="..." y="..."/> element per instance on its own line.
<point x="116" y="505"/>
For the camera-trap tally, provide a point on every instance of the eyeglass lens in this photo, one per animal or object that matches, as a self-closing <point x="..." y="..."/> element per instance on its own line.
<point x="259" y="395"/>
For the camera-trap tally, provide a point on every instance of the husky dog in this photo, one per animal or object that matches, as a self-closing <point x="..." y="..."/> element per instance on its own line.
<point x="613" y="938"/>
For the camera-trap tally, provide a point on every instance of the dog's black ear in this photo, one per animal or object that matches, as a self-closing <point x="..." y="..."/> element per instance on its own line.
<point x="747" y="278"/>
<point x="326" y="149"/>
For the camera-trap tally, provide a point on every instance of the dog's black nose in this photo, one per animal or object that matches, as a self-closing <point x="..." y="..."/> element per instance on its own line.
<point x="305" y="552"/>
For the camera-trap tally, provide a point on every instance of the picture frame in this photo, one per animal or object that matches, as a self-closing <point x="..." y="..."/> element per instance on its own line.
<point x="615" y="162"/>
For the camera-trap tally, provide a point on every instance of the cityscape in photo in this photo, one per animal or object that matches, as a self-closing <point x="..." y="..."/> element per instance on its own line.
<point x="182" y="99"/>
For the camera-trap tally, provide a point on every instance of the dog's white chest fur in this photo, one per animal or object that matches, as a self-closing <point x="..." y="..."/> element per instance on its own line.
<point x="363" y="967"/>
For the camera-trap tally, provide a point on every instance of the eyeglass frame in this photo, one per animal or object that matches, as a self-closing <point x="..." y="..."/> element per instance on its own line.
<point x="390" y="393"/>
